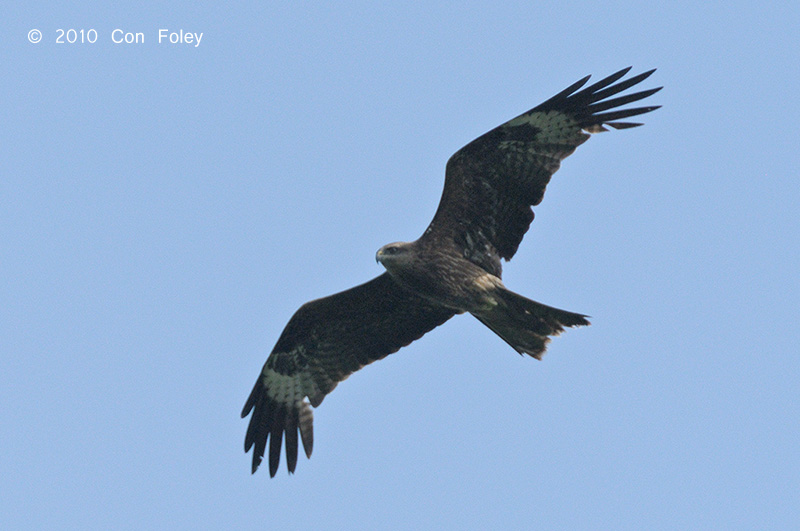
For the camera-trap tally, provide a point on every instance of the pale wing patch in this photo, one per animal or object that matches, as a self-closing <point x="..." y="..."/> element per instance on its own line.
<point x="290" y="389"/>
<point x="285" y="389"/>
<point x="553" y="126"/>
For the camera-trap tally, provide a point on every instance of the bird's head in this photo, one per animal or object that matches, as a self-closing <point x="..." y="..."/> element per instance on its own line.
<point x="393" y="254"/>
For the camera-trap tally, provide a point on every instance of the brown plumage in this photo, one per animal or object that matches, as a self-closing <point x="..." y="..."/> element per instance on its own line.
<point x="454" y="267"/>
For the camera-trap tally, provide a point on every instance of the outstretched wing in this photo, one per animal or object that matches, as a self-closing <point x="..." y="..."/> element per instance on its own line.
<point x="492" y="182"/>
<point x="325" y="341"/>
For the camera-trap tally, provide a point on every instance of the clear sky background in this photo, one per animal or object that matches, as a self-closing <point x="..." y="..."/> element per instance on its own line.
<point x="164" y="209"/>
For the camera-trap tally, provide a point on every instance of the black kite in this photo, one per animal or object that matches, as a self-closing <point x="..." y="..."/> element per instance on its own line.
<point x="454" y="267"/>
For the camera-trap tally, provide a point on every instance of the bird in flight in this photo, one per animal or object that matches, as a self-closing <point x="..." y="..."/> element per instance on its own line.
<point x="453" y="268"/>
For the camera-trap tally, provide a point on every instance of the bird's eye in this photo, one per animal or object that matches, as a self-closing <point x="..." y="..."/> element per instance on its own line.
<point x="391" y="250"/>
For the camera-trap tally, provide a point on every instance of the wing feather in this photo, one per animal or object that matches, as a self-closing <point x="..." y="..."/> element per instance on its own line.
<point x="492" y="182"/>
<point x="291" y="440"/>
<point x="615" y="89"/>
<point x="622" y="100"/>
<point x="324" y="342"/>
<point x="605" y="82"/>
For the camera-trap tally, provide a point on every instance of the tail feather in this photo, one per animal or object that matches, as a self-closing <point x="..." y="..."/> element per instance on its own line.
<point x="527" y="325"/>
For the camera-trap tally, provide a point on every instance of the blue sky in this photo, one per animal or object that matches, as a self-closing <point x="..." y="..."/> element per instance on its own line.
<point x="164" y="209"/>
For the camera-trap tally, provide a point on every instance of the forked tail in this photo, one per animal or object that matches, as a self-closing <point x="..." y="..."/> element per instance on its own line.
<point x="525" y="324"/>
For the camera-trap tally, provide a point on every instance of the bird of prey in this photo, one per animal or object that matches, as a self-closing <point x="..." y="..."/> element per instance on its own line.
<point x="453" y="268"/>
